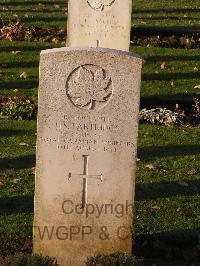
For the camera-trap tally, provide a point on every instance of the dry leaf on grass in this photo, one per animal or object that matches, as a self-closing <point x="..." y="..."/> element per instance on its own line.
<point x="155" y="207"/>
<point x="55" y="40"/>
<point x="192" y="172"/>
<point x="1" y="184"/>
<point x="143" y="61"/>
<point x="16" y="180"/>
<point x="150" y="166"/>
<point x="197" y="87"/>
<point x="24" y="144"/>
<point x="16" y="52"/>
<point x="3" y="174"/>
<point x="23" y="76"/>
<point x="163" y="65"/>
<point x="31" y="171"/>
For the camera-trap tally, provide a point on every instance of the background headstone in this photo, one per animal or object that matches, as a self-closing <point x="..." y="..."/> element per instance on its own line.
<point x="99" y="23"/>
<point x="86" y="150"/>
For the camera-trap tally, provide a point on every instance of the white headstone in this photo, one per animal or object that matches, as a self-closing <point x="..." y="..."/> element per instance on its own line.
<point x="86" y="151"/>
<point x="99" y="23"/>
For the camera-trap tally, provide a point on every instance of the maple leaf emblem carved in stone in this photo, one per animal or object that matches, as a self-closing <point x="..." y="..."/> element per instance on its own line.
<point x="100" y="4"/>
<point x="89" y="87"/>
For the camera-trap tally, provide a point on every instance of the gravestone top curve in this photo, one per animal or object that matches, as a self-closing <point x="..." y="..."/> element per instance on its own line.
<point x="84" y="48"/>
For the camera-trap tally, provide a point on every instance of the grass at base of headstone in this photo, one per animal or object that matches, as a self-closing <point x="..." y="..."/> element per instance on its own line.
<point x="17" y="161"/>
<point x="29" y="260"/>
<point x="114" y="259"/>
<point x="123" y="259"/>
<point x="177" y="246"/>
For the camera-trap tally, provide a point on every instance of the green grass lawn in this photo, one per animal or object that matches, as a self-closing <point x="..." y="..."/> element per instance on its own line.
<point x="175" y="83"/>
<point x="151" y="13"/>
<point x="168" y="195"/>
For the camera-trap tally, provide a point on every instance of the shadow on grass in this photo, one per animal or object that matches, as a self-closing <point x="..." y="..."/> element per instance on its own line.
<point x="169" y="76"/>
<point x="156" y="58"/>
<point x="21" y="64"/>
<point x="173" y="246"/>
<point x="12" y="132"/>
<point x="21" y="162"/>
<point x="16" y="205"/>
<point x="166" y="10"/>
<point x="150" y="191"/>
<point x="185" y="100"/>
<point x="164" y="17"/>
<point x="25" y="48"/>
<point x="36" y="10"/>
<point x="25" y="3"/>
<point x="19" y="84"/>
<point x="146" y="153"/>
<point x="164" y="31"/>
<point x="44" y="19"/>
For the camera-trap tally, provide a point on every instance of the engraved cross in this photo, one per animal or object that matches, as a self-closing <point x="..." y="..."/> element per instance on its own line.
<point x="85" y="177"/>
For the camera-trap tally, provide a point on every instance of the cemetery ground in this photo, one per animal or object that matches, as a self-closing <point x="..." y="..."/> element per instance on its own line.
<point x="167" y="208"/>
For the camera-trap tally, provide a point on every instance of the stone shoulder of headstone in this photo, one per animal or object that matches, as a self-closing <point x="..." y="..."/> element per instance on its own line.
<point x="85" y="48"/>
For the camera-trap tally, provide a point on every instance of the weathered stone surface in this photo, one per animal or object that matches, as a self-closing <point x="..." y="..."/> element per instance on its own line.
<point x="99" y="23"/>
<point x="86" y="149"/>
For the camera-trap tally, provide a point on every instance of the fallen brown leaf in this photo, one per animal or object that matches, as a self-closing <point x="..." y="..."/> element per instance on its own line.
<point x="31" y="171"/>
<point x="150" y="166"/>
<point x="55" y="40"/>
<point x="143" y="61"/>
<point x="5" y="8"/>
<point x="23" y="76"/>
<point x="155" y="207"/>
<point x="192" y="172"/>
<point x="3" y="174"/>
<point x="24" y="144"/>
<point x="16" y="52"/>
<point x="183" y="41"/>
<point x="197" y="87"/>
<point x="1" y="184"/>
<point x="163" y="65"/>
<point x="16" y="180"/>
<point x="56" y="6"/>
